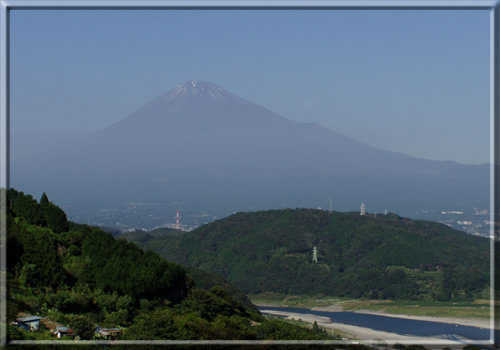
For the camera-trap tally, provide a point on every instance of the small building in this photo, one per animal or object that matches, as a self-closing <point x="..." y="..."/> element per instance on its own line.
<point x="107" y="333"/>
<point x="29" y="323"/>
<point x="63" y="332"/>
<point x="50" y="325"/>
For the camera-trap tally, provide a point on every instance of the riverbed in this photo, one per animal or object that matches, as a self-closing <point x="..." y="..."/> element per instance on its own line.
<point x="391" y="329"/>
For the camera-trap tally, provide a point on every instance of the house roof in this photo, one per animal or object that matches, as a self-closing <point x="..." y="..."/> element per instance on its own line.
<point x="29" y="319"/>
<point x="108" y="331"/>
<point x="51" y="325"/>
<point x="63" y="330"/>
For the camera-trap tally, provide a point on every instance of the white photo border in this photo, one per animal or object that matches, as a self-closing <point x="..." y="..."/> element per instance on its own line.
<point x="492" y="5"/>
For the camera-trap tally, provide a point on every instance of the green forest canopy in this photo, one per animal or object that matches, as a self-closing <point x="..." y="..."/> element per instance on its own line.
<point x="81" y="277"/>
<point x="386" y="257"/>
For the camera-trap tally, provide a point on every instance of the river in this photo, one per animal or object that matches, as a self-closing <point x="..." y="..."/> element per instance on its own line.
<point x="401" y="326"/>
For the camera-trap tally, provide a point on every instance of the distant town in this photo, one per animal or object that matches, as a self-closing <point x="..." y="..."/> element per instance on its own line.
<point x="150" y="216"/>
<point x="476" y="223"/>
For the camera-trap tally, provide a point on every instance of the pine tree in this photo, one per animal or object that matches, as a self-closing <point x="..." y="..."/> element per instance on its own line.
<point x="56" y="218"/>
<point x="44" y="201"/>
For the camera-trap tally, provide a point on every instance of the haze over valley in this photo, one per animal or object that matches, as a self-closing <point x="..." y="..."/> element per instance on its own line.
<point x="208" y="153"/>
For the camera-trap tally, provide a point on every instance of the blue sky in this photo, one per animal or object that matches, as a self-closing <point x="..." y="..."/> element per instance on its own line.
<point x="411" y="81"/>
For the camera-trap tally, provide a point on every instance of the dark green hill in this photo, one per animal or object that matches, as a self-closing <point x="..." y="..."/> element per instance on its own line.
<point x="166" y="231"/>
<point x="145" y="236"/>
<point x="358" y="256"/>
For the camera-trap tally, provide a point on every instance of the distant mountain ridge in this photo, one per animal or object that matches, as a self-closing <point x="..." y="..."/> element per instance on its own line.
<point x="202" y="145"/>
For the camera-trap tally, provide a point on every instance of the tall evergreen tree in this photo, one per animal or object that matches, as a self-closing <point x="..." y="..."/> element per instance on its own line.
<point x="44" y="201"/>
<point x="56" y="218"/>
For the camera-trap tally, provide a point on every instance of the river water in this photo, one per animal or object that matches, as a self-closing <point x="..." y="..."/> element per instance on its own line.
<point x="396" y="325"/>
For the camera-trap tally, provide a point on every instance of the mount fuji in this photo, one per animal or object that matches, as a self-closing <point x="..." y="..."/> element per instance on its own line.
<point x="198" y="143"/>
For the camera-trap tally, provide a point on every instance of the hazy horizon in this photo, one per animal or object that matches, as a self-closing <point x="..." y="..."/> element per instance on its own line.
<point x="414" y="82"/>
<point x="76" y="135"/>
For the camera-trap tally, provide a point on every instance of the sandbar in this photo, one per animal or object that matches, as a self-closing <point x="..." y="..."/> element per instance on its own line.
<point x="365" y="335"/>
<point x="480" y="322"/>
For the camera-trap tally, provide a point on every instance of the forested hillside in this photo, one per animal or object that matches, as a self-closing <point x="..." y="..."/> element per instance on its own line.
<point x="358" y="256"/>
<point x="81" y="277"/>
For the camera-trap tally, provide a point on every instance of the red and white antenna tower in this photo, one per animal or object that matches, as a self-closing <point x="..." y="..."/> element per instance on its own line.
<point x="177" y="221"/>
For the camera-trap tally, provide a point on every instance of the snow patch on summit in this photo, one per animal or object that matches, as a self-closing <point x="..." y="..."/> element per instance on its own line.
<point x="203" y="91"/>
